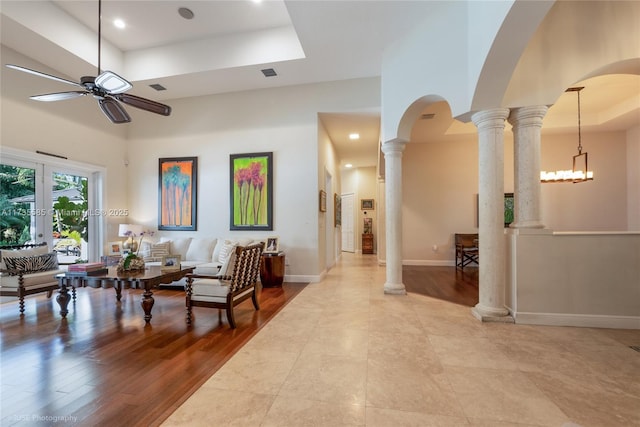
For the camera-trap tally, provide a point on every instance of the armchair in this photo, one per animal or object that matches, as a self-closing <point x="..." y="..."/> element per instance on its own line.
<point x="466" y="249"/>
<point x="235" y="283"/>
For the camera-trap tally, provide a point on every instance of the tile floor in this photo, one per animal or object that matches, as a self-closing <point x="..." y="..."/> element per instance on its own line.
<point x="344" y="354"/>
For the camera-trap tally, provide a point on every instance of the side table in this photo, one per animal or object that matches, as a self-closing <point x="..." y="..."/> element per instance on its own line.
<point x="272" y="270"/>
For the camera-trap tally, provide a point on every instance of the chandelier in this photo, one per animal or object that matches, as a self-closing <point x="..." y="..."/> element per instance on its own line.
<point x="580" y="171"/>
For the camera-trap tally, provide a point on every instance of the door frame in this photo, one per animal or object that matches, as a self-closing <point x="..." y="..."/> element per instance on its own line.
<point x="97" y="179"/>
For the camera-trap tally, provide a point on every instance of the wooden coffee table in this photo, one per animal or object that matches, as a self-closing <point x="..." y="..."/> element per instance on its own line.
<point x="148" y="279"/>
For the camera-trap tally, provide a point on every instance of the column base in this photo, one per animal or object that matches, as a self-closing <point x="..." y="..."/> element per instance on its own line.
<point x="395" y="289"/>
<point x="487" y="314"/>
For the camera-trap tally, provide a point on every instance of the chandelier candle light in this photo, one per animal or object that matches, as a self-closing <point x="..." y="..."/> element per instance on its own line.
<point x="580" y="171"/>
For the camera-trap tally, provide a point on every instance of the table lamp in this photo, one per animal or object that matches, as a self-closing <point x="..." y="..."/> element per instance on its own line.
<point x="131" y="231"/>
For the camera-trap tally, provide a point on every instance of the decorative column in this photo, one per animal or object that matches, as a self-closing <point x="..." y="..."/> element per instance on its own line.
<point x="393" y="197"/>
<point x="381" y="235"/>
<point x="527" y="123"/>
<point x="491" y="305"/>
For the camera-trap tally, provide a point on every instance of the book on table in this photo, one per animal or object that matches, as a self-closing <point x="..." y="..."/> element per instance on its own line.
<point x="87" y="269"/>
<point x="98" y="272"/>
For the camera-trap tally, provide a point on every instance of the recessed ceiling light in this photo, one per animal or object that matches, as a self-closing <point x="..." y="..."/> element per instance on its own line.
<point x="353" y="136"/>
<point x="348" y="165"/>
<point x="119" y="23"/>
<point x="186" y="13"/>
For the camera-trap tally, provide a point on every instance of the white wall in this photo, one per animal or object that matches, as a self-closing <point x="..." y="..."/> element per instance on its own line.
<point x="575" y="279"/>
<point x="362" y="183"/>
<point x="367" y="190"/>
<point x="598" y="205"/>
<point x="283" y="121"/>
<point x="440" y="186"/>
<point x="328" y="234"/>
<point x="633" y="179"/>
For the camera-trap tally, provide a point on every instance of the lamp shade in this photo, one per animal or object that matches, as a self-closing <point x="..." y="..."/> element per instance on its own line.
<point x="129" y="230"/>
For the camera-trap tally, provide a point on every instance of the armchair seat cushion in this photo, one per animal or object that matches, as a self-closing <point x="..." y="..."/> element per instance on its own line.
<point x="213" y="290"/>
<point x="208" y="268"/>
<point x="31" y="281"/>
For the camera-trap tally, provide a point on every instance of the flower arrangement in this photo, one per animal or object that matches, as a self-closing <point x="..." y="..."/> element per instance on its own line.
<point x="132" y="261"/>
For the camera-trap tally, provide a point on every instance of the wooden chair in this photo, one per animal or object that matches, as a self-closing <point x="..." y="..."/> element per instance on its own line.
<point x="466" y="250"/>
<point x="225" y="291"/>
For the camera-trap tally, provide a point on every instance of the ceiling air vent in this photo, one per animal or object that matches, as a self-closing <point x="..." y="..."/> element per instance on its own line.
<point x="269" y="72"/>
<point x="158" y="87"/>
<point x="428" y="116"/>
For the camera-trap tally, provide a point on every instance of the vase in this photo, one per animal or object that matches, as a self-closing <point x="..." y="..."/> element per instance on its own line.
<point x="135" y="263"/>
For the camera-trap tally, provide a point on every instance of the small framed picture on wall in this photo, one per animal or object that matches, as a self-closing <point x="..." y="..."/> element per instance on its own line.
<point x="366" y="204"/>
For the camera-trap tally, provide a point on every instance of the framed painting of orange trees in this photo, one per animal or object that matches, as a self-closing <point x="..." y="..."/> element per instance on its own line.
<point x="177" y="186"/>
<point x="251" y="191"/>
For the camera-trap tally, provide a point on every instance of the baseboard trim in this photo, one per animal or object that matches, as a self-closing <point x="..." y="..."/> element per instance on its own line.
<point x="429" y="262"/>
<point x="301" y="278"/>
<point x="578" y="320"/>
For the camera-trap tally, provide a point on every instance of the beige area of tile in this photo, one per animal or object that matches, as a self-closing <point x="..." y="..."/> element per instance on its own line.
<point x="343" y="353"/>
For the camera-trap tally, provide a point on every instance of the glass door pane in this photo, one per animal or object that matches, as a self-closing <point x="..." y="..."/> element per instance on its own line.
<point x="69" y="215"/>
<point x="18" y="205"/>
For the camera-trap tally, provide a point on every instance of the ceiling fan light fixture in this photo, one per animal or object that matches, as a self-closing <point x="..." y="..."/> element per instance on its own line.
<point x="112" y="83"/>
<point x="108" y="89"/>
<point x="114" y="111"/>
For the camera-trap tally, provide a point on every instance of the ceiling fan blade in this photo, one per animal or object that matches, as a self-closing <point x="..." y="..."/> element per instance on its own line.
<point x="114" y="111"/>
<point x="112" y="83"/>
<point x="144" y="104"/>
<point x="40" y="74"/>
<point x="59" y="96"/>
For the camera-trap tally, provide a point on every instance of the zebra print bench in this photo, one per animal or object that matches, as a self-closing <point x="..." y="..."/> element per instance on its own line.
<point x="26" y="270"/>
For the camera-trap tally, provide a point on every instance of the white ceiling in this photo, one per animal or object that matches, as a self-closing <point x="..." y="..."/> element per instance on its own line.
<point x="227" y="43"/>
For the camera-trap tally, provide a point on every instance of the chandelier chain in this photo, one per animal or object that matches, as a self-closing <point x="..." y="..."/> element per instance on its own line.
<point x="579" y="132"/>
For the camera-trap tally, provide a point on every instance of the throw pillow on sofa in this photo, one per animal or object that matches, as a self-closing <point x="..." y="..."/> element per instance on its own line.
<point x="228" y="247"/>
<point x="178" y="246"/>
<point x="32" y="264"/>
<point x="156" y="251"/>
<point x="4" y="254"/>
<point x="229" y="263"/>
<point x="201" y="249"/>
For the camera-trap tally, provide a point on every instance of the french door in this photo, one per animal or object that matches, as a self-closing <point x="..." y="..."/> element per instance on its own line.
<point x="49" y="203"/>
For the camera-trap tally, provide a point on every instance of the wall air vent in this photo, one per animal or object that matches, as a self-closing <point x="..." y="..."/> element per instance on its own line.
<point x="158" y="87"/>
<point x="269" y="72"/>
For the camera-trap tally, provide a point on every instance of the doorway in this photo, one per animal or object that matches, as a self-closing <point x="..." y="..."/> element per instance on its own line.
<point x="42" y="202"/>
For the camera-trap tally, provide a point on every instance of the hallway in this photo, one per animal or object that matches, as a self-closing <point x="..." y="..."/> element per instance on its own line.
<point x="343" y="353"/>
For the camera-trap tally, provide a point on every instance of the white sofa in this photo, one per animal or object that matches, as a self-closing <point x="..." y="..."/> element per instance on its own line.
<point x="206" y="254"/>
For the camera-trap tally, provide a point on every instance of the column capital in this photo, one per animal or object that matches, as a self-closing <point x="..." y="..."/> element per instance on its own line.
<point x="396" y="145"/>
<point x="490" y="118"/>
<point x="528" y="116"/>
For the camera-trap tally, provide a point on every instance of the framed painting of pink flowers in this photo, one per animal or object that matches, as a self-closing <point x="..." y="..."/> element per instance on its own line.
<point x="177" y="178"/>
<point x="251" y="191"/>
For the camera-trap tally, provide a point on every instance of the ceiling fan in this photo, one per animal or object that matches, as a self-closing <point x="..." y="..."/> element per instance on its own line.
<point x="108" y="88"/>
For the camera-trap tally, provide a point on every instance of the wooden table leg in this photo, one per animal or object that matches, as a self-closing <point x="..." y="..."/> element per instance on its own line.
<point x="118" y="287"/>
<point x="147" y="303"/>
<point x="63" y="297"/>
